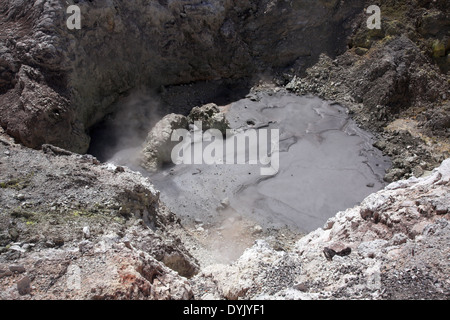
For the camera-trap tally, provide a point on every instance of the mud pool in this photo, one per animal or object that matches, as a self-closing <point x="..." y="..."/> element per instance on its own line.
<point x="327" y="164"/>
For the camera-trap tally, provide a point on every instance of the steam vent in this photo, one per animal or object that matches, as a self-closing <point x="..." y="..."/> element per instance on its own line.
<point x="225" y="150"/>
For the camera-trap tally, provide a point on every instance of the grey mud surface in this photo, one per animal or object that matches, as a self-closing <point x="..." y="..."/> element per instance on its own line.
<point x="327" y="164"/>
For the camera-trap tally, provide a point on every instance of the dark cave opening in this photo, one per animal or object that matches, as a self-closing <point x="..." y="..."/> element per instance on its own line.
<point x="136" y="113"/>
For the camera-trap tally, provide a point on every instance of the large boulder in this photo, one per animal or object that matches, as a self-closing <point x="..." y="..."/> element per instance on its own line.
<point x="210" y="116"/>
<point x="157" y="148"/>
<point x="158" y="145"/>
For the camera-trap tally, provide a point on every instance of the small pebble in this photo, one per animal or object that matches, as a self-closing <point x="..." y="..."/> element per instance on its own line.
<point x="17" y="269"/>
<point x="86" y="232"/>
<point x="24" y="286"/>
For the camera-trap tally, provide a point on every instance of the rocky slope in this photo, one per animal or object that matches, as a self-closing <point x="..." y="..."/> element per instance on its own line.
<point x="394" y="82"/>
<point x="57" y="83"/>
<point x="73" y="228"/>
<point x="393" y="246"/>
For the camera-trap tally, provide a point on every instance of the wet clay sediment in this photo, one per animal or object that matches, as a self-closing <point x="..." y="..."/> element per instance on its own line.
<point x="327" y="164"/>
